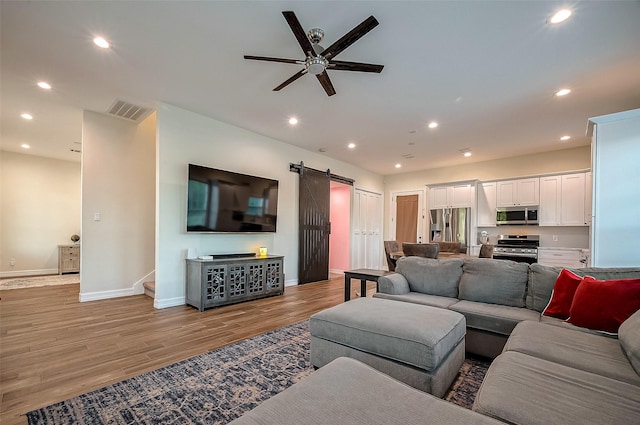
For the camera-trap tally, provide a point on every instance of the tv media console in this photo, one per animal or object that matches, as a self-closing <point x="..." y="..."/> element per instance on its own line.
<point x="229" y="280"/>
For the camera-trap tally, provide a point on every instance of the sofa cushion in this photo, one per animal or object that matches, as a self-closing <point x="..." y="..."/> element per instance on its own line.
<point x="562" y="296"/>
<point x="540" y="285"/>
<point x="429" y="276"/>
<point x="418" y="298"/>
<point x="629" y="335"/>
<point x="542" y="278"/>
<point x="417" y="335"/>
<point x="525" y="390"/>
<point x="604" y="304"/>
<point x="349" y="392"/>
<point x="493" y="318"/>
<point x="592" y="353"/>
<point x="494" y="281"/>
<point x="564" y="324"/>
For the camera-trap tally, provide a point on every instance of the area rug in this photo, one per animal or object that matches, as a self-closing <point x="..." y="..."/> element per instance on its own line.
<point x="37" y="281"/>
<point x="213" y="388"/>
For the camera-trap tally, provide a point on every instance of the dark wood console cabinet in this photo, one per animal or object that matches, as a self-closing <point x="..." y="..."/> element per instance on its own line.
<point x="221" y="281"/>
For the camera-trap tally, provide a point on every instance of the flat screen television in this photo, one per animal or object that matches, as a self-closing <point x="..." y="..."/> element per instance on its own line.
<point x="227" y="202"/>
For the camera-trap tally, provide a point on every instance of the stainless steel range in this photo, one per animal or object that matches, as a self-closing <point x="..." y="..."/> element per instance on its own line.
<point x="521" y="248"/>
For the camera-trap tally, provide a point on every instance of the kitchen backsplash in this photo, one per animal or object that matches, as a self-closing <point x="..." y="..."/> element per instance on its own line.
<point x="567" y="237"/>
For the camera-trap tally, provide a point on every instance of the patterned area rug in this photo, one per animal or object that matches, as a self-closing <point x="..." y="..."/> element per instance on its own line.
<point x="216" y="387"/>
<point x="35" y="281"/>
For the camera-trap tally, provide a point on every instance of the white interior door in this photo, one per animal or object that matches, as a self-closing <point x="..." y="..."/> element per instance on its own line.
<point x="367" y="230"/>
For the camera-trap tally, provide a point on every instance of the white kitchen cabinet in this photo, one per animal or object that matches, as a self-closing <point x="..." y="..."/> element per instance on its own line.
<point x="455" y="196"/>
<point x="550" y="201"/>
<point x="521" y="192"/>
<point x="563" y="200"/>
<point x="486" y="204"/>
<point x="588" y="196"/>
<point x="561" y="257"/>
<point x="573" y="200"/>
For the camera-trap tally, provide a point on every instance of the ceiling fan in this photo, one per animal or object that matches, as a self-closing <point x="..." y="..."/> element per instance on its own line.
<point x="318" y="59"/>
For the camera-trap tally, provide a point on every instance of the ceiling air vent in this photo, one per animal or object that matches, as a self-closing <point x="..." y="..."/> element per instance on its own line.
<point x="128" y="111"/>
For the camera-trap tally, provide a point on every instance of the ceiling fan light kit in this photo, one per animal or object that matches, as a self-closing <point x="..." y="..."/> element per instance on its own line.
<point x="318" y="59"/>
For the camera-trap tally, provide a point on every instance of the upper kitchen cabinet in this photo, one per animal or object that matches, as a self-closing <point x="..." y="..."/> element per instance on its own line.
<point x="455" y="196"/>
<point x="615" y="150"/>
<point x="521" y="192"/>
<point x="486" y="204"/>
<point x="563" y="200"/>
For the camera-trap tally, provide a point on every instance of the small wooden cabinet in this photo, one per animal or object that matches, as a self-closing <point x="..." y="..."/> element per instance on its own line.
<point x="221" y="281"/>
<point x="68" y="259"/>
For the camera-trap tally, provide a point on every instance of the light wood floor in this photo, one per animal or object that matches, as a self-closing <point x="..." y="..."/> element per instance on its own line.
<point x="53" y="347"/>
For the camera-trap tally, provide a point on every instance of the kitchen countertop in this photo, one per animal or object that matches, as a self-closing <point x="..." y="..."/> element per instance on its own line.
<point x="561" y="248"/>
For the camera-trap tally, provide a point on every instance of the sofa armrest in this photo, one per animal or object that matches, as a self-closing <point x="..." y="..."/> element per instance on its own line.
<point x="393" y="284"/>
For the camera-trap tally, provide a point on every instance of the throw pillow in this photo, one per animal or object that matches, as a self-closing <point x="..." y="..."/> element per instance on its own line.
<point x="562" y="295"/>
<point x="604" y="304"/>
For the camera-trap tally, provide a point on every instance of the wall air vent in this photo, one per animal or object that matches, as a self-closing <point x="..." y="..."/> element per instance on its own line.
<point x="128" y="111"/>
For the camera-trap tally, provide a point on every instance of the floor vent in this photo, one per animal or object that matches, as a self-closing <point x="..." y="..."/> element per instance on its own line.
<point x="128" y="111"/>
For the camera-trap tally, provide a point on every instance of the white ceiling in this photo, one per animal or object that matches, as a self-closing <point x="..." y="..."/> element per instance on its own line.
<point x="485" y="70"/>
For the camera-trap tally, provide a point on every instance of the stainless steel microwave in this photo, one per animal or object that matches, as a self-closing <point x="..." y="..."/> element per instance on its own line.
<point x="517" y="215"/>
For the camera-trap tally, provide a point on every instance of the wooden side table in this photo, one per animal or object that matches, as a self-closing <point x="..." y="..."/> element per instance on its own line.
<point x="68" y="259"/>
<point x="364" y="275"/>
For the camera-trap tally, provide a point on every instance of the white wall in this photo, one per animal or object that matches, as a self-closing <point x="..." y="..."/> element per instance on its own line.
<point x="118" y="182"/>
<point x="39" y="209"/>
<point x="549" y="162"/>
<point x="616" y="190"/>
<point x="185" y="137"/>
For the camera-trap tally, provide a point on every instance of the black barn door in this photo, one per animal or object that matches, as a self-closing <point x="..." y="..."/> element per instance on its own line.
<point x="314" y="226"/>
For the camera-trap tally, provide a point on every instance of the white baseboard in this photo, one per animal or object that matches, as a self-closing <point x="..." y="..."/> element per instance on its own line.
<point x="169" y="302"/>
<point x="103" y="295"/>
<point x="291" y="282"/>
<point x="136" y="289"/>
<point x="21" y="273"/>
<point x="336" y="271"/>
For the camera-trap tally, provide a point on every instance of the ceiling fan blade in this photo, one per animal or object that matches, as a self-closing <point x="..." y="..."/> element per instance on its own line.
<point x="291" y="80"/>
<point x="264" y="58"/>
<point x="301" y="36"/>
<point x="351" y="37"/>
<point x="326" y="83"/>
<point x="355" y="66"/>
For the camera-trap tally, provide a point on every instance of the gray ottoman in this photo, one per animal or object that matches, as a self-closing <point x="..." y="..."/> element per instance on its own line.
<point x="419" y="345"/>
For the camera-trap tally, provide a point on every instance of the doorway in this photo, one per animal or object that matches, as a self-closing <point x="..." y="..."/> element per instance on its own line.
<point x="407" y="216"/>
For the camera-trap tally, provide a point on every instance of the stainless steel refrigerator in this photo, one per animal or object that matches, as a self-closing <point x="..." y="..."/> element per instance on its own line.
<point x="450" y="225"/>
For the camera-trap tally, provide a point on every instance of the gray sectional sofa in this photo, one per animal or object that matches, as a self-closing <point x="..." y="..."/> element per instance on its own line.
<point x="493" y="295"/>
<point x="545" y="371"/>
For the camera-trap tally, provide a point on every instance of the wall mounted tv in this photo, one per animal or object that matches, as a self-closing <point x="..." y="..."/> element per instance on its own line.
<point x="227" y="202"/>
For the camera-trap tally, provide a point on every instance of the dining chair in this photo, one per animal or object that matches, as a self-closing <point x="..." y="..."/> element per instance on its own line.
<point x="426" y="250"/>
<point x="389" y="247"/>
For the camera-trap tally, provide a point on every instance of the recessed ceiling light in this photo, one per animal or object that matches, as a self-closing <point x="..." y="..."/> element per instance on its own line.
<point x="293" y="120"/>
<point x="25" y="146"/>
<point x="44" y="85"/>
<point x="467" y="154"/>
<point x="563" y="92"/>
<point x="27" y="116"/>
<point x="433" y="124"/>
<point x="565" y="138"/>
<point x="398" y="165"/>
<point x="351" y="145"/>
<point x="101" y="42"/>
<point x="560" y="16"/>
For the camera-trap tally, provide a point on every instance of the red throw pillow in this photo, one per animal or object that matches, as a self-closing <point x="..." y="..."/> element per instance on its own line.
<point x="604" y="304"/>
<point x="562" y="295"/>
